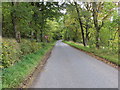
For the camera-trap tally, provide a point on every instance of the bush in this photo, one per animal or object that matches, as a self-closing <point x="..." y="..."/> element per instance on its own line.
<point x="25" y="47"/>
<point x="13" y="76"/>
<point x="13" y="51"/>
<point x="10" y="52"/>
<point x="28" y="46"/>
<point x="35" y="46"/>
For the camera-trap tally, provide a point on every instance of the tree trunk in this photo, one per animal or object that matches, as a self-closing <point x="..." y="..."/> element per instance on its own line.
<point x="32" y="35"/>
<point x="42" y="24"/>
<point x="1" y="33"/>
<point x="13" y="21"/>
<point x="76" y="36"/>
<point x="36" y="35"/>
<point x="80" y="22"/>
<point x="17" y="35"/>
<point x="96" y="23"/>
<point x="87" y="33"/>
<point x="66" y="35"/>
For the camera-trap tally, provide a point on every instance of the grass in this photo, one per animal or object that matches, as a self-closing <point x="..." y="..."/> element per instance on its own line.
<point x="104" y="53"/>
<point x="15" y="75"/>
<point x="0" y="79"/>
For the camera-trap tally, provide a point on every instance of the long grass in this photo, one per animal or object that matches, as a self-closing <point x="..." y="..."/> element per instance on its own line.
<point x="15" y="75"/>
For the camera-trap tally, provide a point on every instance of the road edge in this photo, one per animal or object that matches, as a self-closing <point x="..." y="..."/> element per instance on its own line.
<point x="97" y="57"/>
<point x="28" y="81"/>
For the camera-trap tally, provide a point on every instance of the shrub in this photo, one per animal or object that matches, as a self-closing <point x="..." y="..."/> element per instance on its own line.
<point x="13" y="51"/>
<point x="28" y="46"/>
<point x="10" y="52"/>
<point x="13" y="76"/>
<point x="35" y="46"/>
<point x="25" y="47"/>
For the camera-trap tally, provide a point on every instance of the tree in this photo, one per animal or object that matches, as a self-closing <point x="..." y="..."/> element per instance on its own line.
<point x="98" y="11"/>
<point x="80" y="22"/>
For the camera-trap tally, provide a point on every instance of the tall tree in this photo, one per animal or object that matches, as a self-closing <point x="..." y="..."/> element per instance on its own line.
<point x="14" y="22"/>
<point x="95" y="18"/>
<point x="80" y="22"/>
<point x="101" y="12"/>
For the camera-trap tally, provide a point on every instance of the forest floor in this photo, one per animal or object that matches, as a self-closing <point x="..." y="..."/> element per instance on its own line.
<point x="68" y="67"/>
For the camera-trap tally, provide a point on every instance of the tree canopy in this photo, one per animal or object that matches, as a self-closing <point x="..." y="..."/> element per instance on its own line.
<point x="94" y="24"/>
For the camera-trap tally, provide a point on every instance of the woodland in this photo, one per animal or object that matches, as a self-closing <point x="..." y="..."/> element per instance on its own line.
<point x="33" y="28"/>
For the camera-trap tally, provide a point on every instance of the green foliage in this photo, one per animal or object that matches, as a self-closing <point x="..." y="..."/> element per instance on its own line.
<point x="29" y="18"/>
<point x="15" y="75"/>
<point x="12" y="51"/>
<point x="25" y="47"/>
<point x="28" y="46"/>
<point x="35" y="20"/>
<point x="0" y="79"/>
<point x="107" y="17"/>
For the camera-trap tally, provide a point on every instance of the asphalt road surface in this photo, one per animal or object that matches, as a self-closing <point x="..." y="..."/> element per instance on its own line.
<point x="68" y="67"/>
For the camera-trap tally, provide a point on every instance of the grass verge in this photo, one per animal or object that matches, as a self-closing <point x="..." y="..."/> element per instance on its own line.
<point x="15" y="75"/>
<point x="103" y="53"/>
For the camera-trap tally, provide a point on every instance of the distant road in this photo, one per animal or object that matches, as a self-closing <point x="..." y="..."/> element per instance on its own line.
<point x="70" y="68"/>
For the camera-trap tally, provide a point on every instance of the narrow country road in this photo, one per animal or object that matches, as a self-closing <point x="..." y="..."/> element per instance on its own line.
<point x="70" y="68"/>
